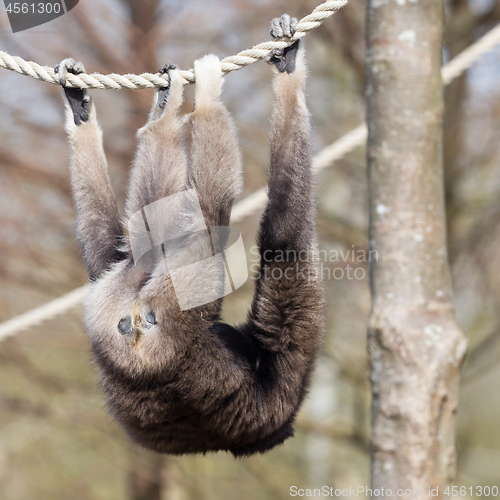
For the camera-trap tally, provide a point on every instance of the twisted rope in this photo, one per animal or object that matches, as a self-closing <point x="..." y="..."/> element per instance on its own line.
<point x="149" y="80"/>
<point x="463" y="61"/>
<point x="257" y="200"/>
<point x="44" y="313"/>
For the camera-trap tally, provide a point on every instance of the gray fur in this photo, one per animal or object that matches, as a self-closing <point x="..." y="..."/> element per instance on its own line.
<point x="181" y="381"/>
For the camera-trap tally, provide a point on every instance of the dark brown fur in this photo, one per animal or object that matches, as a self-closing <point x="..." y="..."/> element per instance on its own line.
<point x="189" y="383"/>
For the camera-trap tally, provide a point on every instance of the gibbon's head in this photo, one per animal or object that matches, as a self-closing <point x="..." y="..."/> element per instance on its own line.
<point x="127" y="325"/>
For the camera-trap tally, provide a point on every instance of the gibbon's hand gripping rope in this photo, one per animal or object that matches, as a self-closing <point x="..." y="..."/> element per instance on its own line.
<point x="149" y="80"/>
<point x="255" y="201"/>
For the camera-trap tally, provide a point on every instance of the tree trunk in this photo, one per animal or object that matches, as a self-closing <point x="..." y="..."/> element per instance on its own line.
<point x="415" y="346"/>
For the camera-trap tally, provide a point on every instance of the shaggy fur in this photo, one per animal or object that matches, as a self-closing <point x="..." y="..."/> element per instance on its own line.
<point x="182" y="381"/>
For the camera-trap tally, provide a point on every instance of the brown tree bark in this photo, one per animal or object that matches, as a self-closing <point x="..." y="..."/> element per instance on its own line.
<point x="415" y="346"/>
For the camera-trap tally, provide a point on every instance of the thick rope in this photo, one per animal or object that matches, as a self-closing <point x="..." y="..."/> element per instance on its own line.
<point x="44" y="313"/>
<point x="149" y="80"/>
<point x="257" y="200"/>
<point x="463" y="61"/>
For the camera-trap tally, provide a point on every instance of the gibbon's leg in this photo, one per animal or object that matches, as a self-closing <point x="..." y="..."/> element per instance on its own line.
<point x="215" y="169"/>
<point x="160" y="164"/>
<point x="98" y="225"/>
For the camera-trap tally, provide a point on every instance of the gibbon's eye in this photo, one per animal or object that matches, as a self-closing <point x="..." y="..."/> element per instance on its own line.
<point x="125" y="326"/>
<point x="150" y="319"/>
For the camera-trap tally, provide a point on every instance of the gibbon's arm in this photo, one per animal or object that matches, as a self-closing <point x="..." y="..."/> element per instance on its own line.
<point x="98" y="227"/>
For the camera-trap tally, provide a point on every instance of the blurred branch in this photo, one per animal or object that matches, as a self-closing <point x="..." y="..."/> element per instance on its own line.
<point x="336" y="433"/>
<point x="11" y="355"/>
<point x="262" y="473"/>
<point x="33" y="172"/>
<point x="483" y="357"/>
<point x="342" y="231"/>
<point x="98" y="40"/>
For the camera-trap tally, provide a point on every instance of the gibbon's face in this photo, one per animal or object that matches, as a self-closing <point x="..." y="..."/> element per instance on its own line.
<point x="125" y="321"/>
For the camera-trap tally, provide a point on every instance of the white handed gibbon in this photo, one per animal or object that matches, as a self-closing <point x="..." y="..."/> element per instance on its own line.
<point x="180" y="381"/>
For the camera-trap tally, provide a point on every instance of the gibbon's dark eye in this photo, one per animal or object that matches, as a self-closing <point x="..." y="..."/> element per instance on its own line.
<point x="150" y="319"/>
<point x="125" y="326"/>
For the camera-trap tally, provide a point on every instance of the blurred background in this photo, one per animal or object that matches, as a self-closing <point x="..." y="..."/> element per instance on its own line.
<point x="56" y="440"/>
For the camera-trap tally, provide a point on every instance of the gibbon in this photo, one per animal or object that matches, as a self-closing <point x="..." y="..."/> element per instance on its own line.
<point x="180" y="381"/>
